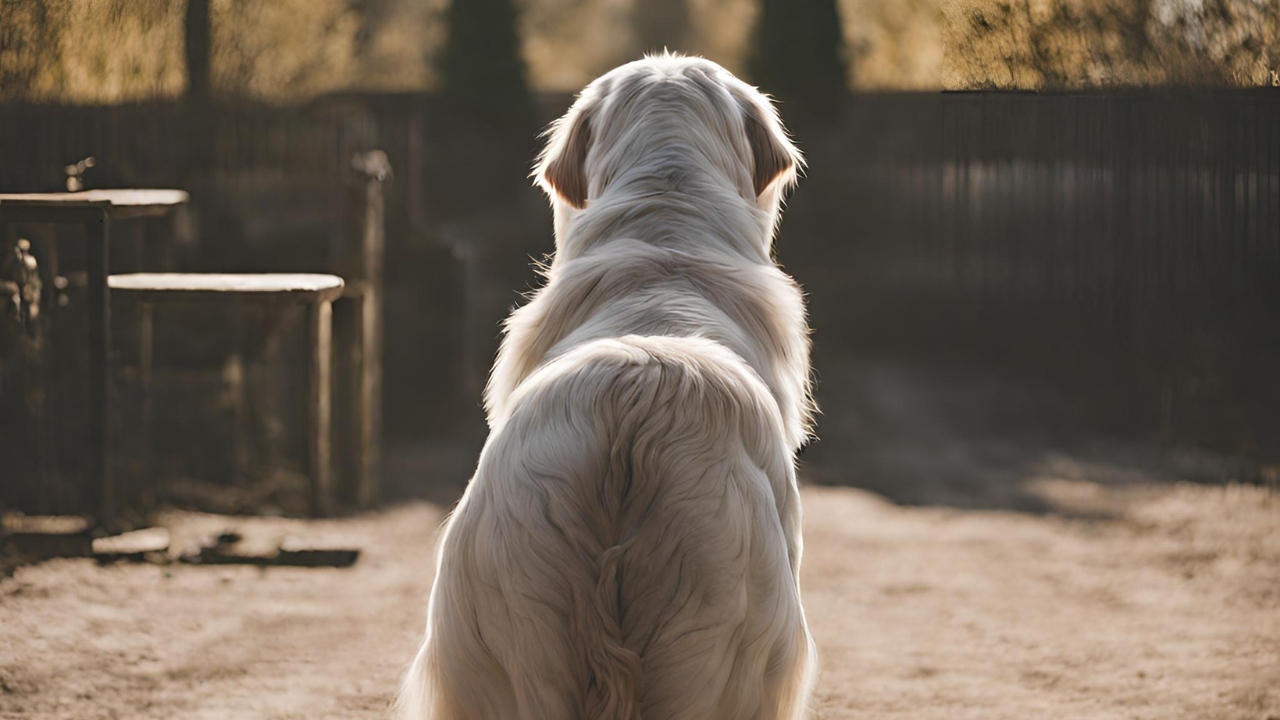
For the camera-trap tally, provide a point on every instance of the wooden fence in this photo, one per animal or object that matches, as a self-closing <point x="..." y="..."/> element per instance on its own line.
<point x="1126" y="243"/>
<point x="161" y="144"/>
<point x="1125" y="202"/>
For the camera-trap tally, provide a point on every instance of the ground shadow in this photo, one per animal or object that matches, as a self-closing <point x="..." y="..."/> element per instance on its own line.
<point x="964" y="438"/>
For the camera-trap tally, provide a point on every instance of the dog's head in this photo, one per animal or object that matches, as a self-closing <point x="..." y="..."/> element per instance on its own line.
<point x="658" y="122"/>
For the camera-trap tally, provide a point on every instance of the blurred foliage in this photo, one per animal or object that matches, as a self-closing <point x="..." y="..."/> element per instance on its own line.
<point x="1076" y="44"/>
<point x="894" y="44"/>
<point x="80" y="51"/>
<point x="282" y="48"/>
<point x="798" y="55"/>
<point x="111" y="51"/>
<point x="396" y="42"/>
<point x="570" y="42"/>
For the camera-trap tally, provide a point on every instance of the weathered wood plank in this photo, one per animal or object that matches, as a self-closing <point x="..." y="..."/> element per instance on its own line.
<point x="299" y="287"/>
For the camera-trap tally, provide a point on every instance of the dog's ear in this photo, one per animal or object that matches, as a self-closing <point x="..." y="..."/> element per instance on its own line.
<point x="563" y="169"/>
<point x="773" y="155"/>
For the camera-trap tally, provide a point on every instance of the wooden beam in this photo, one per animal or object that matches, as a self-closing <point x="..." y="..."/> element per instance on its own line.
<point x="320" y="325"/>
<point x="97" y="240"/>
<point x="374" y="241"/>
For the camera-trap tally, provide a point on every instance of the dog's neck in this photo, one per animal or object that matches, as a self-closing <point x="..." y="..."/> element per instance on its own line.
<point x="687" y="208"/>
<point x="639" y="243"/>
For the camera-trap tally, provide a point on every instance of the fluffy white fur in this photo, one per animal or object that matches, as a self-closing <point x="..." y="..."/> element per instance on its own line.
<point x="630" y="543"/>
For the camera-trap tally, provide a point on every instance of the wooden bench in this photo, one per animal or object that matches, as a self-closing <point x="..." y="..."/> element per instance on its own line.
<point x="317" y="292"/>
<point x="314" y="222"/>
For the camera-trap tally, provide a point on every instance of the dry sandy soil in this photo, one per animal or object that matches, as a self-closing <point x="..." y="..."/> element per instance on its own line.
<point x="1136" y="602"/>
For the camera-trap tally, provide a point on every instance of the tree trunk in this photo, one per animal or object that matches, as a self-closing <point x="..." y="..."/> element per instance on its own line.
<point x="199" y="49"/>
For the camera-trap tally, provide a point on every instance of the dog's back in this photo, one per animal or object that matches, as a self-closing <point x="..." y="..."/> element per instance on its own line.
<point x="620" y="549"/>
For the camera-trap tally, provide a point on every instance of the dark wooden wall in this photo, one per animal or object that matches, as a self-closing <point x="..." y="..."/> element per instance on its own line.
<point x="1125" y="245"/>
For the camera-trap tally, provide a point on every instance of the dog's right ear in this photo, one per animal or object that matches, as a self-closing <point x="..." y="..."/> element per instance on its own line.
<point x="563" y="167"/>
<point x="774" y="155"/>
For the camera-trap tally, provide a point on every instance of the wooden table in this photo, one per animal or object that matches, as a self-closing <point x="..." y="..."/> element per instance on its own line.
<point x="94" y="210"/>
<point x="317" y="292"/>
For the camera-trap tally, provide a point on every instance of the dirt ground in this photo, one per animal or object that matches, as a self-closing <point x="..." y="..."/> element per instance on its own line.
<point x="1134" y="602"/>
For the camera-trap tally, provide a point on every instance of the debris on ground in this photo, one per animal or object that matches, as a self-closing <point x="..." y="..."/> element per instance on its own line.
<point x="146" y="545"/>
<point x="230" y="548"/>
<point x="227" y="548"/>
<point x="25" y="540"/>
<point x="32" y="538"/>
<point x="300" y="552"/>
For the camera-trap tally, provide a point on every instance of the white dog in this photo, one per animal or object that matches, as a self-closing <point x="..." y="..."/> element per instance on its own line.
<point x="630" y="544"/>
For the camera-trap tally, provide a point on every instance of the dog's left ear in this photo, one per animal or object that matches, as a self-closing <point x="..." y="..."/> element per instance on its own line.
<point x="563" y="168"/>
<point x="774" y="156"/>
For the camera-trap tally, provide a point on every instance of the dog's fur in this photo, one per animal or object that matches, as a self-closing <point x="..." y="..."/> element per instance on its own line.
<point x="630" y="544"/>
